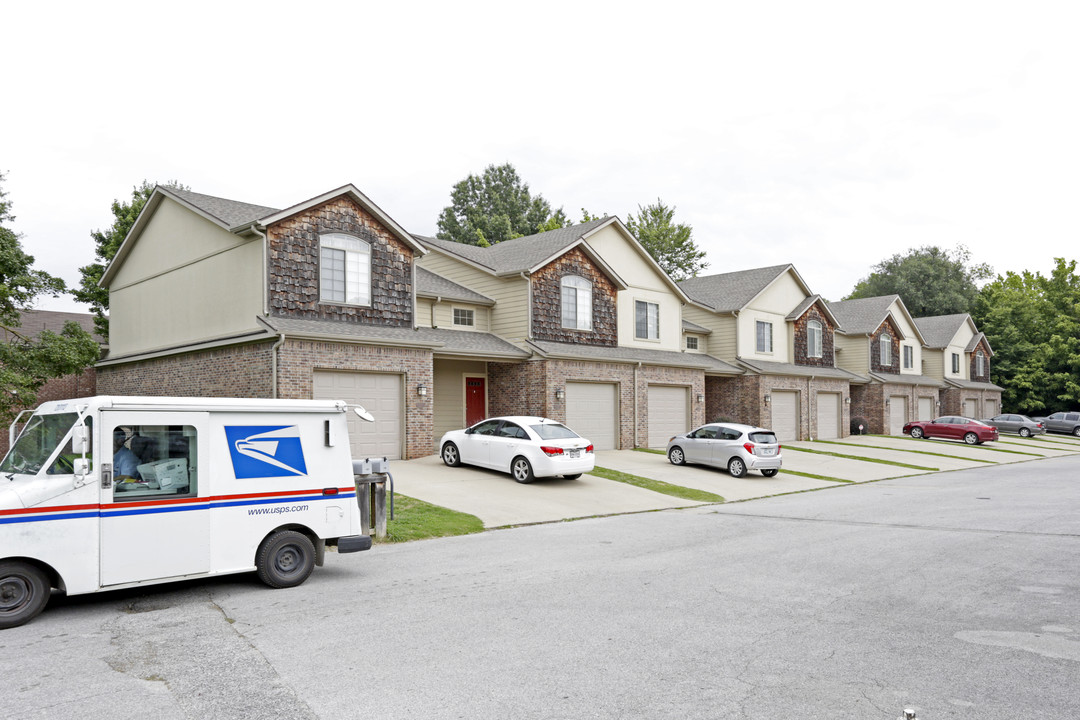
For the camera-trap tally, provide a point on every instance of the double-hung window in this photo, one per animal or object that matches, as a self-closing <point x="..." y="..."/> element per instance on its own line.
<point x="909" y="357"/>
<point x="344" y="270"/>
<point x="763" y="331"/>
<point x="813" y="339"/>
<point x="956" y="363"/>
<point x="980" y="363"/>
<point x="886" y="350"/>
<point x="646" y="320"/>
<point x="576" y="303"/>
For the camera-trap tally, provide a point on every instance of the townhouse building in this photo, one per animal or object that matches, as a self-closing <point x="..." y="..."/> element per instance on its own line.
<point x="959" y="355"/>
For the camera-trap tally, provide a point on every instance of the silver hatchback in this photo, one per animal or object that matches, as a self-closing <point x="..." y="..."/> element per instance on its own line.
<point x="738" y="448"/>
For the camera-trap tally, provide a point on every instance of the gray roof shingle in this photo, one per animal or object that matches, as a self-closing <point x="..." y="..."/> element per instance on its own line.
<point x="775" y="368"/>
<point x="907" y="379"/>
<point x="428" y="284"/>
<point x="33" y="322"/>
<point x="688" y="326"/>
<point x="862" y="316"/>
<point x="730" y="291"/>
<point x="231" y="213"/>
<point x="667" y="358"/>
<point x="519" y="254"/>
<point x="939" y="330"/>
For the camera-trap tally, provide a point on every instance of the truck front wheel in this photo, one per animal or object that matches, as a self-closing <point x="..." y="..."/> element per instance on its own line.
<point x="285" y="559"/>
<point x="24" y="590"/>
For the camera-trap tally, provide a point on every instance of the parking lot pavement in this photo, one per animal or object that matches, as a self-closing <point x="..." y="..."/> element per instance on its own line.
<point x="701" y="477"/>
<point x="498" y="501"/>
<point x="957" y="449"/>
<point x="915" y="455"/>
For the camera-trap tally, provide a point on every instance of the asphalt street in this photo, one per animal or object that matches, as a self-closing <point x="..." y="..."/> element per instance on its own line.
<point x="955" y="594"/>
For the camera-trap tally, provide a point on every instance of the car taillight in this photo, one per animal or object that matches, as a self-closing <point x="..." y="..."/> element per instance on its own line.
<point x="749" y="447"/>
<point x="550" y="450"/>
<point x="589" y="448"/>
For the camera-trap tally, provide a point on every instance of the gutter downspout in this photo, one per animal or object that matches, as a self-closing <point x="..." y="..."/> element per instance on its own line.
<point x="528" y="316"/>
<point x="274" y="364"/>
<point x="438" y="299"/>
<point x="636" y="368"/>
<point x="265" y="270"/>
<point x="809" y="417"/>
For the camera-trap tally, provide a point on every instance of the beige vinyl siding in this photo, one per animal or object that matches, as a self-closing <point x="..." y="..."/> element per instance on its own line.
<point x="932" y="364"/>
<point x="423" y="312"/>
<point x="854" y="354"/>
<point x="721" y="342"/>
<point x="449" y="393"/>
<point x="510" y="315"/>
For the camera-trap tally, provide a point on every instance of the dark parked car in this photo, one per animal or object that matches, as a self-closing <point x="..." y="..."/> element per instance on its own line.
<point x="1062" y="422"/>
<point x="1022" y="425"/>
<point x="951" y="427"/>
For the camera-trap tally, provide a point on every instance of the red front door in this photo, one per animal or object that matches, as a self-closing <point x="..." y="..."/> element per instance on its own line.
<point x="475" y="400"/>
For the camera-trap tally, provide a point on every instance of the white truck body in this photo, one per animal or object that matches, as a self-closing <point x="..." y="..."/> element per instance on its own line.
<point x="215" y="479"/>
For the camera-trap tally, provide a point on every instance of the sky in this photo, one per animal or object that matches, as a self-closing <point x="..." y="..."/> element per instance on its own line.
<point x="829" y="135"/>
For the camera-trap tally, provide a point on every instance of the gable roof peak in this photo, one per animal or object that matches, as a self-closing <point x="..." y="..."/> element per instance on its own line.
<point x="730" y="291"/>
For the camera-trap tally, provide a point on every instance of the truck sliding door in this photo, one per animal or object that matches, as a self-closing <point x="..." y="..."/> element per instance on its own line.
<point x="155" y="512"/>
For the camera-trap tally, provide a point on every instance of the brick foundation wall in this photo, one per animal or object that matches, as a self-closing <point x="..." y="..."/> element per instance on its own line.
<point x="294" y="267"/>
<point x="547" y="302"/>
<point x="232" y="371"/>
<point x="868" y="401"/>
<point x="952" y="401"/>
<point x="742" y="399"/>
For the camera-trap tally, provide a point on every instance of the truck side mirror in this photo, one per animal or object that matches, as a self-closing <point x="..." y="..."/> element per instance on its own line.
<point x="80" y="439"/>
<point x="81" y="468"/>
<point x="363" y="414"/>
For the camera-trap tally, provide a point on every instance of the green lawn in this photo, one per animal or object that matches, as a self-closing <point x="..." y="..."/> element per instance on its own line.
<point x="417" y="520"/>
<point x="657" y="486"/>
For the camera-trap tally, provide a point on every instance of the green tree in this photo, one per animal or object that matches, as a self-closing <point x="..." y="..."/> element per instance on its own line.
<point x="26" y="363"/>
<point x="929" y="280"/>
<point x="496" y="206"/>
<point x="1033" y="324"/>
<point x="106" y="243"/>
<point x="671" y="244"/>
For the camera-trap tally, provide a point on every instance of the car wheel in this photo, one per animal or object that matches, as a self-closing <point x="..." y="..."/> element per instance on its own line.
<point x="736" y="467"/>
<point x="916" y="433"/>
<point x="676" y="456"/>
<point x="522" y="470"/>
<point x="450" y="455"/>
<point x="285" y="559"/>
<point x="971" y="439"/>
<point x="1076" y="431"/>
<point x="24" y="590"/>
<point x="769" y="473"/>
<point x="1024" y="432"/>
<point x="575" y="476"/>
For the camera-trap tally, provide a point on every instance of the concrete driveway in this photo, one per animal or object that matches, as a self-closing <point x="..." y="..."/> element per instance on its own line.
<point x="808" y="465"/>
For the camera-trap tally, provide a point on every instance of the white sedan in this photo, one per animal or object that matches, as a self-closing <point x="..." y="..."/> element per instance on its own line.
<point x="526" y="447"/>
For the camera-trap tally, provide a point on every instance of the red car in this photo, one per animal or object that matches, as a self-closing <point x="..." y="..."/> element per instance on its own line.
<point x="951" y="427"/>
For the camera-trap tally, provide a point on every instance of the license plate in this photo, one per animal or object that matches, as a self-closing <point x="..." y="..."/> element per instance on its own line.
<point x="574" y="453"/>
<point x="768" y="451"/>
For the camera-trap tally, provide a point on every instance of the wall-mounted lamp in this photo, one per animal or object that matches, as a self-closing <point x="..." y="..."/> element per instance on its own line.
<point x="767" y="398"/>
<point x="887" y="403"/>
<point x="421" y="390"/>
<point x="847" y="401"/>
<point x="701" y="398"/>
<point x="560" y="393"/>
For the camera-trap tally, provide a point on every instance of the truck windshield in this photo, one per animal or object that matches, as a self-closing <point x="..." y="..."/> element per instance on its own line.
<point x="37" y="442"/>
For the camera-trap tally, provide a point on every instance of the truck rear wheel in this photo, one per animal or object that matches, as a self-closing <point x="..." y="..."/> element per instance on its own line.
<point x="24" y="590"/>
<point x="285" y="559"/>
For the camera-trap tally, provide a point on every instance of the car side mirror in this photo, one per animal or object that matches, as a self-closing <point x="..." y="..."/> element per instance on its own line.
<point x="468" y="431"/>
<point x="80" y="439"/>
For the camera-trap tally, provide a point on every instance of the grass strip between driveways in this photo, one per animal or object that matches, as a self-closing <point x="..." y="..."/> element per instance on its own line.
<point x="953" y="442"/>
<point x="814" y="477"/>
<point x="657" y="485"/>
<point x="920" y="452"/>
<point x="863" y="459"/>
<point x="654" y="451"/>
<point x="417" y="520"/>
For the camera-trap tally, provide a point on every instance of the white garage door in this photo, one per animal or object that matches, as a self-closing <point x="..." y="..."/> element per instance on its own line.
<point x="380" y="394"/>
<point x="669" y="413"/>
<point x="971" y="409"/>
<point x="897" y="414"/>
<point x="591" y="411"/>
<point x="828" y="415"/>
<point x="926" y="408"/>
<point x="991" y="408"/>
<point x="785" y="415"/>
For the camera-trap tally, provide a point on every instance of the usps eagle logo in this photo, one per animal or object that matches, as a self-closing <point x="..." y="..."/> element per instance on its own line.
<point x="265" y="451"/>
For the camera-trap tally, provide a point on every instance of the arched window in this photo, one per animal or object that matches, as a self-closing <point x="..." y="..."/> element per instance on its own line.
<point x="344" y="270"/>
<point x="813" y="339"/>
<point x="980" y="363"/>
<point x="576" y="303"/>
<point x="886" y="350"/>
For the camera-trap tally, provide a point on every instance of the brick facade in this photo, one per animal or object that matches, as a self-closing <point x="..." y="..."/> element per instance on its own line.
<point x="294" y="267"/>
<point x="973" y="369"/>
<point x="529" y="388"/>
<point x="231" y="371"/>
<point x="742" y="400"/>
<point x="547" y="302"/>
<point x="869" y="401"/>
<point x="828" y="331"/>
<point x="953" y="401"/>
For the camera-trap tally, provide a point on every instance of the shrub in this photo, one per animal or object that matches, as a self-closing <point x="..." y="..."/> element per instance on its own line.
<point x="856" y="422"/>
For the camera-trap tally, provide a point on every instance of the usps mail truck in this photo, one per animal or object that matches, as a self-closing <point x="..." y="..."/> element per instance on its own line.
<point x="104" y="493"/>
